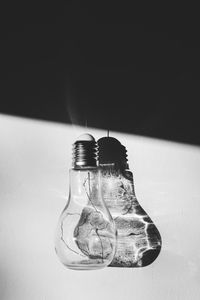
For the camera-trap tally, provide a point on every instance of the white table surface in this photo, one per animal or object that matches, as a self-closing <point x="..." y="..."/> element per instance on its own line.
<point x="34" y="160"/>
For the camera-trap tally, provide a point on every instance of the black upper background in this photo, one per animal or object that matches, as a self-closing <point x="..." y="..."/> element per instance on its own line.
<point x="116" y="68"/>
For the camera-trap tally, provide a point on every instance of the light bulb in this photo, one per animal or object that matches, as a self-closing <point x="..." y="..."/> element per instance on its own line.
<point x="139" y="241"/>
<point x="86" y="232"/>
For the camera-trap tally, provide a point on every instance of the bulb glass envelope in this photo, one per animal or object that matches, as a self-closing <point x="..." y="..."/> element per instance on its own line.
<point x="139" y="241"/>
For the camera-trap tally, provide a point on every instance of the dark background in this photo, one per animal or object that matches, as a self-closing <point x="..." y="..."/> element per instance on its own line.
<point x="122" y="68"/>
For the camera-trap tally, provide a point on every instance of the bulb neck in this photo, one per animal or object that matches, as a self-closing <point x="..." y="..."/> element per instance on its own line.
<point x="84" y="155"/>
<point x="121" y="166"/>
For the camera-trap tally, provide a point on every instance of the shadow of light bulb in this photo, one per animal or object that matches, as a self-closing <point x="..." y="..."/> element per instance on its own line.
<point x="139" y="241"/>
<point x="86" y="232"/>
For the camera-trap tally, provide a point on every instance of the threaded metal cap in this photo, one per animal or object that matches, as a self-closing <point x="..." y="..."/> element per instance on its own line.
<point x="85" y="152"/>
<point x="112" y="151"/>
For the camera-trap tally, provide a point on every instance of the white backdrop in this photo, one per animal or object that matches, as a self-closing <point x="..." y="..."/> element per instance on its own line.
<point x="34" y="160"/>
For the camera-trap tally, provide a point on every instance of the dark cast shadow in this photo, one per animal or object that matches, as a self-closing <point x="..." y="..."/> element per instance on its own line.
<point x="137" y="77"/>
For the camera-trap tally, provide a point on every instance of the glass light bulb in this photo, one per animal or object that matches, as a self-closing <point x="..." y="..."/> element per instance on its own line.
<point x="86" y="232"/>
<point x="139" y="241"/>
